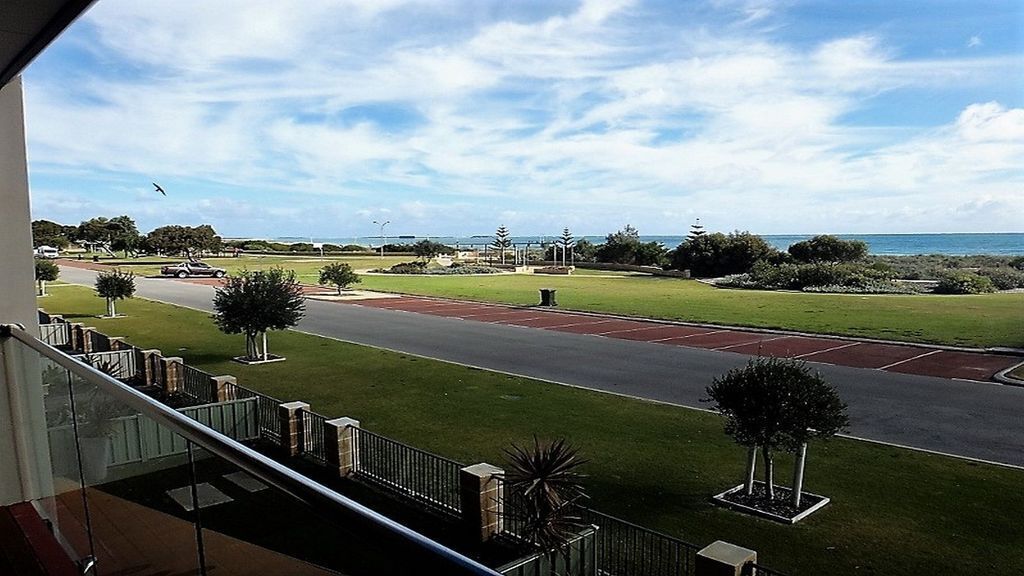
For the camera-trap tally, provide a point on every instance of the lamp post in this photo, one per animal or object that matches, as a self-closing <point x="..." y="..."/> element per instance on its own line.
<point x="383" y="240"/>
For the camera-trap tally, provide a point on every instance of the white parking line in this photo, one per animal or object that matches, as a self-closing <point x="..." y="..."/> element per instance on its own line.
<point x="689" y="336"/>
<point x="750" y="342"/>
<point x="509" y="322"/>
<point x="578" y="324"/>
<point x="623" y="331"/>
<point x="828" y="350"/>
<point x="887" y="366"/>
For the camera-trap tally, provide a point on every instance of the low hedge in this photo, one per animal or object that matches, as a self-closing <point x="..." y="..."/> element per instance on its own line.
<point x="964" y="283"/>
<point x="422" y="269"/>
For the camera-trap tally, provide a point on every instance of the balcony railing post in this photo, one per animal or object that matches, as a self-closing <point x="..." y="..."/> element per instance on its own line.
<point x="290" y="416"/>
<point x="223" y="388"/>
<point x="340" y="445"/>
<point x="723" y="559"/>
<point x="480" y="496"/>
<point x="172" y="369"/>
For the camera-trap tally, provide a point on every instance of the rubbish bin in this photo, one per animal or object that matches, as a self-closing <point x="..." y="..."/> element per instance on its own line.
<point x="547" y="297"/>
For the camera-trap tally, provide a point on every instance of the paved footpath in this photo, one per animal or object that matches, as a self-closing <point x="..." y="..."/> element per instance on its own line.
<point x="971" y="419"/>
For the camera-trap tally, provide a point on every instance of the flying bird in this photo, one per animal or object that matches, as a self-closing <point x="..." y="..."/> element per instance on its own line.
<point x="159" y="189"/>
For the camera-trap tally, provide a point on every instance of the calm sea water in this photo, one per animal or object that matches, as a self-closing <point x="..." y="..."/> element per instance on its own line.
<point x="881" y="244"/>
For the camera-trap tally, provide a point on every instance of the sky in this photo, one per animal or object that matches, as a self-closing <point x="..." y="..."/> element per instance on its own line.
<point x="315" y="118"/>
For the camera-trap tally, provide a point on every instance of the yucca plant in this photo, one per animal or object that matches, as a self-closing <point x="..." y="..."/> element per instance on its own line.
<point x="543" y="485"/>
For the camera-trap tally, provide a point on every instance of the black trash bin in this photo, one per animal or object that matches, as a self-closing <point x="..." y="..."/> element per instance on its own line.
<point x="547" y="297"/>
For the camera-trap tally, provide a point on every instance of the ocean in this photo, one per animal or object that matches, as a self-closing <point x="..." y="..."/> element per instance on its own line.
<point x="997" y="244"/>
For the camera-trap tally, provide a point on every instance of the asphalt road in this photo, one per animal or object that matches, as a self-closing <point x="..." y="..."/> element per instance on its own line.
<point x="982" y="421"/>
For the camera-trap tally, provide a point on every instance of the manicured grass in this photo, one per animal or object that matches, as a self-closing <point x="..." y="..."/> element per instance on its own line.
<point x="984" y="320"/>
<point x="1018" y="373"/>
<point x="894" y="511"/>
<point x="307" y="268"/>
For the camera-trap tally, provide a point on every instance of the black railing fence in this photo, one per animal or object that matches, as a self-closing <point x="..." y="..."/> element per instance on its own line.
<point x="57" y="334"/>
<point x="196" y="384"/>
<point x="626" y="549"/>
<point x="427" y="478"/>
<point x="313" y="436"/>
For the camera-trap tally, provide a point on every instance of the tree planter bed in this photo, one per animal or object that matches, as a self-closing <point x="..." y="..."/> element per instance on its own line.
<point x="249" y="361"/>
<point x="780" y="509"/>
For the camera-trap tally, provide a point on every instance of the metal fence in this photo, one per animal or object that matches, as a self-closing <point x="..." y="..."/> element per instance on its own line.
<point x="427" y="478"/>
<point x="626" y="549"/>
<point x="196" y="384"/>
<point x="56" y="335"/>
<point x="313" y="436"/>
<point x="120" y="364"/>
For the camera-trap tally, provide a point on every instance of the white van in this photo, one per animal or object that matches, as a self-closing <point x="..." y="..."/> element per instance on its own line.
<point x="47" y="252"/>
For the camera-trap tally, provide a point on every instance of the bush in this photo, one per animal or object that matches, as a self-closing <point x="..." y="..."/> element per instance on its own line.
<point x="827" y="248"/>
<point x="845" y="278"/>
<point x="354" y="248"/>
<point x="720" y="255"/>
<point x="964" y="283"/>
<point x="868" y="288"/>
<point x="1004" y="278"/>
<point x="1017" y="263"/>
<point x="421" y="268"/>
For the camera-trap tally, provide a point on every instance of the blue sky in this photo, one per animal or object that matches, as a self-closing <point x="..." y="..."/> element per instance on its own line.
<point x="269" y="118"/>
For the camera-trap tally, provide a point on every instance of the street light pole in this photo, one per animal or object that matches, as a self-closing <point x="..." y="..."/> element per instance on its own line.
<point x="383" y="240"/>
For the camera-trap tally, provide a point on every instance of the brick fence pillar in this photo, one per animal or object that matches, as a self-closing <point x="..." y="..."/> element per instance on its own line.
<point x="223" y="388"/>
<point x="117" y="343"/>
<point x="289" y="415"/>
<point x="75" y="336"/>
<point x="171" y="371"/>
<point x="340" y="444"/>
<point x="723" y="559"/>
<point x="150" y="367"/>
<point x="480" y="496"/>
<point x="87" y="339"/>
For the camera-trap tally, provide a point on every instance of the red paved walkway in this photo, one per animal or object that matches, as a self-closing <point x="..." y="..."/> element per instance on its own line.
<point x="890" y="357"/>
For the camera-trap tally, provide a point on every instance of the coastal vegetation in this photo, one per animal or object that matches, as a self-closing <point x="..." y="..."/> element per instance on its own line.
<point x="658" y="474"/>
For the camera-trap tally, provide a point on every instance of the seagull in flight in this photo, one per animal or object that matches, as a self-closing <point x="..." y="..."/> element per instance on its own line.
<point x="159" y="189"/>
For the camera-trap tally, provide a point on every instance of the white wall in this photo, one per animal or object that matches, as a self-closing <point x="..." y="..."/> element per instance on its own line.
<point x="24" y="456"/>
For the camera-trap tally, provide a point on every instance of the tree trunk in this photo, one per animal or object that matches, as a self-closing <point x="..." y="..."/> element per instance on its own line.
<point x="250" y="346"/>
<point x="110" y="308"/>
<point x="264" y="346"/>
<point x="769" y="473"/>
<point x="751" y="466"/>
<point x="798" y="475"/>
<point x="339" y="289"/>
<point x="42" y="287"/>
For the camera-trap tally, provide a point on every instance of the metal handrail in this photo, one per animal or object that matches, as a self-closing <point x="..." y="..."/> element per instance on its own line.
<point x="428" y="555"/>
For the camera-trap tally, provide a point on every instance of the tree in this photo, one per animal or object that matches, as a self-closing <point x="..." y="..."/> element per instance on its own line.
<point x="184" y="240"/>
<point x="696" y="230"/>
<point x="115" y="285"/>
<point x="254" y="302"/>
<point x="775" y="403"/>
<point x="46" y="271"/>
<point x="427" y="249"/>
<point x="716" y="254"/>
<point x="502" y="241"/>
<point x="814" y="410"/>
<point x="585" y="251"/>
<point x="340" y="274"/>
<point x="544" y="483"/>
<point x="828" y="249"/>
<point x="620" y="247"/>
<point x="566" y="243"/>
<point x="650" y="254"/>
<point x="46" y="233"/>
<point x="123" y="235"/>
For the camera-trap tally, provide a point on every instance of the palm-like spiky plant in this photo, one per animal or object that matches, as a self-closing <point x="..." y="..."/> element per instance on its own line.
<point x="543" y="484"/>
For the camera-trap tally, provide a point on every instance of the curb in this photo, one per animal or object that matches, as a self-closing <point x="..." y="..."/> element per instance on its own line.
<point x="1003" y="376"/>
<point x="1000" y="350"/>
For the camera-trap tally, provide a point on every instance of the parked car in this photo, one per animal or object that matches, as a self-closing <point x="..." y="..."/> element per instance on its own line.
<point x="47" y="252"/>
<point x="186" y="269"/>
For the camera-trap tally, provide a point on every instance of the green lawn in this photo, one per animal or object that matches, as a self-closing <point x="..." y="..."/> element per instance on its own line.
<point x="1018" y="373"/>
<point x="894" y="511"/>
<point x="984" y="320"/>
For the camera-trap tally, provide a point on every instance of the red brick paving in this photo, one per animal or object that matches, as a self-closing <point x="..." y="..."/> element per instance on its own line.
<point x="788" y="347"/>
<point x="867" y="355"/>
<point x="597" y="325"/>
<point x="719" y="339"/>
<point x="950" y="364"/>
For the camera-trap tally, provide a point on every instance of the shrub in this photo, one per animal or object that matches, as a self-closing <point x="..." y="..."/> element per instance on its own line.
<point x="828" y="248"/>
<point x="353" y="248"/>
<point x="964" y="283"/>
<point x="720" y="255"/>
<point x="1004" y="278"/>
<point x="1017" y="263"/>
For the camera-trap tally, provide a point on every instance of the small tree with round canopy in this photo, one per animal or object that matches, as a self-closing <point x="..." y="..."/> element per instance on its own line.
<point x="340" y="274"/>
<point x="254" y="302"/>
<point x="115" y="285"/>
<point x="46" y="271"/>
